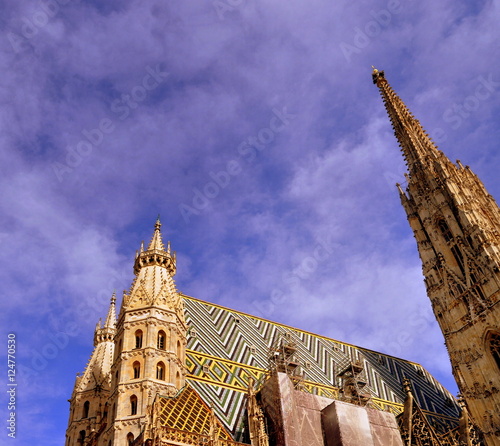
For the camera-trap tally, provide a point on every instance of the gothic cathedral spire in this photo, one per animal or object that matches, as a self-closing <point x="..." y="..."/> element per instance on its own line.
<point x="456" y="224"/>
<point x="154" y="270"/>
<point x="150" y="340"/>
<point x="136" y="358"/>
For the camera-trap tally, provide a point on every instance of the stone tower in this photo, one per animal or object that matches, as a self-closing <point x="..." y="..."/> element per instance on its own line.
<point x="456" y="224"/>
<point x="150" y="341"/>
<point x="89" y="407"/>
<point x="136" y="357"/>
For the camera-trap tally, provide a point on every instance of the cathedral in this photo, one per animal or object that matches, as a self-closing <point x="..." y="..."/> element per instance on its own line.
<point x="168" y="369"/>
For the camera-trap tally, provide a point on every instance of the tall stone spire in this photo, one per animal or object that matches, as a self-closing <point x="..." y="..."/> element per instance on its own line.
<point x="456" y="224"/>
<point x="418" y="149"/>
<point x="150" y="340"/>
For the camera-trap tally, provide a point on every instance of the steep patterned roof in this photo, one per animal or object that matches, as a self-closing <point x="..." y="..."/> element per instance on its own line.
<point x="226" y="348"/>
<point x="187" y="411"/>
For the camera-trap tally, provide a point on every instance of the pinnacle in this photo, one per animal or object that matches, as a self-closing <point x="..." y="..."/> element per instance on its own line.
<point x="416" y="145"/>
<point x="156" y="243"/>
<point x="105" y="333"/>
<point x="156" y="253"/>
<point x="111" y="317"/>
<point x="376" y="74"/>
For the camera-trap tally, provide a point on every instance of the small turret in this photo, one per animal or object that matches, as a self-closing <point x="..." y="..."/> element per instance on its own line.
<point x="92" y="387"/>
<point x="107" y="331"/>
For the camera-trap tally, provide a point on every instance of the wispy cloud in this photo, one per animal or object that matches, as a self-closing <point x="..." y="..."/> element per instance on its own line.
<point x="313" y="217"/>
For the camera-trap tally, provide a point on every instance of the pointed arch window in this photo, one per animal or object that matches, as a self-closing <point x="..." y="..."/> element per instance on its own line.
<point x="81" y="437"/>
<point x="138" y="339"/>
<point x="178" y="380"/>
<point x="179" y="350"/>
<point x="494" y="347"/>
<point x="161" y="342"/>
<point x="160" y="371"/>
<point x="459" y="258"/>
<point x="86" y="409"/>
<point x="137" y="369"/>
<point x="477" y="287"/>
<point x="445" y="230"/>
<point x="105" y="414"/>
<point x="130" y="439"/>
<point x="133" y="405"/>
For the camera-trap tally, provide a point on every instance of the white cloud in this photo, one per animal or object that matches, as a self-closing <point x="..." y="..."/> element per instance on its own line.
<point x="329" y="175"/>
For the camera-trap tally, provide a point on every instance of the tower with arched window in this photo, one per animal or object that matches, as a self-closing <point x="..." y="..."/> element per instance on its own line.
<point x="89" y="402"/>
<point x="456" y="224"/>
<point x="150" y="341"/>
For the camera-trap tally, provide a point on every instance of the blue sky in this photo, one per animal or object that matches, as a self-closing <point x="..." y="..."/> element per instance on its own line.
<point x="254" y="130"/>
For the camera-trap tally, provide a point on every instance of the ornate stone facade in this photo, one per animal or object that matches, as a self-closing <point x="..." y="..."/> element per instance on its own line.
<point x="145" y="352"/>
<point x="142" y="386"/>
<point x="174" y="370"/>
<point x="89" y="403"/>
<point x="456" y="224"/>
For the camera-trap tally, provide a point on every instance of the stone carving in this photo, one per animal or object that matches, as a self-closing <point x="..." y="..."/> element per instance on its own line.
<point x="449" y="203"/>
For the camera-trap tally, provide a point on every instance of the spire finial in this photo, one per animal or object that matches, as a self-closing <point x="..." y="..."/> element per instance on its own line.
<point x="156" y="242"/>
<point x="407" y="385"/>
<point x="111" y="317"/>
<point x="105" y="332"/>
<point x="161" y="256"/>
<point x="418" y="149"/>
<point x="376" y="74"/>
